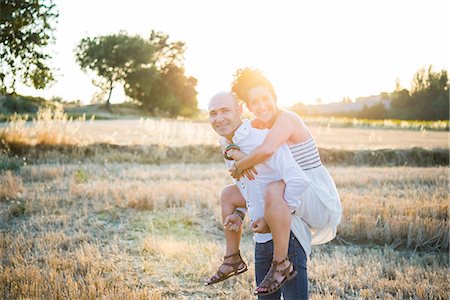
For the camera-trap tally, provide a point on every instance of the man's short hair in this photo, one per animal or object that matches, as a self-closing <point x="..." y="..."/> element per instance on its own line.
<point x="224" y="94"/>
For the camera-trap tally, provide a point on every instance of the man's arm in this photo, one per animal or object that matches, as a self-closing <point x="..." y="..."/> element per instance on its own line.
<point x="296" y="180"/>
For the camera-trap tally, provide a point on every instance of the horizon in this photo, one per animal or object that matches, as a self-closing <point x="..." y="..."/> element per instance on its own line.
<point x="328" y="50"/>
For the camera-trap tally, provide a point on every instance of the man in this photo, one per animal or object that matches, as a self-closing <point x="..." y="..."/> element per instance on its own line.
<point x="225" y="117"/>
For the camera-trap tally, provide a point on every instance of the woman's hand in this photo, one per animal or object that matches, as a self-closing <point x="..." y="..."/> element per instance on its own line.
<point x="260" y="226"/>
<point x="237" y="174"/>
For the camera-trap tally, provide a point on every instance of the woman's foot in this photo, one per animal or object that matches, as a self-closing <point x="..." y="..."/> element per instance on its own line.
<point x="232" y="265"/>
<point x="279" y="273"/>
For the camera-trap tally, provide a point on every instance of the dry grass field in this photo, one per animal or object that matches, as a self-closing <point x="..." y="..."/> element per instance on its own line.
<point x="94" y="229"/>
<point x="129" y="231"/>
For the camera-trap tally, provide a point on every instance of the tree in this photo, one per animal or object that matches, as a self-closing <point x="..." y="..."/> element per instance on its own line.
<point x="430" y="94"/>
<point x="428" y="99"/>
<point x="167" y="54"/>
<point x="182" y="89"/>
<point x="26" y="28"/>
<point x="146" y="86"/>
<point x="151" y="70"/>
<point x="171" y="92"/>
<point x="377" y="111"/>
<point x="113" y="58"/>
<point x="163" y="85"/>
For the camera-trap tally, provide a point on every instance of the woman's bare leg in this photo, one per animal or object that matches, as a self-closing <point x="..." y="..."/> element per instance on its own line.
<point x="278" y="218"/>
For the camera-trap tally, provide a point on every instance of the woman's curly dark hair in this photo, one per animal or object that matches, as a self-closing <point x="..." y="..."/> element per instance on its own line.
<point x="246" y="79"/>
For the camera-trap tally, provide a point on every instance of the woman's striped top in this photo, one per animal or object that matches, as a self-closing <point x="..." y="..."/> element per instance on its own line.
<point x="306" y="154"/>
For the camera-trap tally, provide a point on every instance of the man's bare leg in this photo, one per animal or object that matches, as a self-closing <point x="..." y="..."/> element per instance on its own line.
<point x="231" y="198"/>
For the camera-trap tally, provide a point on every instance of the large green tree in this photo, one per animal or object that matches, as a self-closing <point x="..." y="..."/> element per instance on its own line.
<point x="151" y="70"/>
<point x="170" y="91"/>
<point x="113" y="57"/>
<point x="163" y="86"/>
<point x="26" y="28"/>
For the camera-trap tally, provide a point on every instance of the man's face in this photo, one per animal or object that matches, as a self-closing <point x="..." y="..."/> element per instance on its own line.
<point x="224" y="115"/>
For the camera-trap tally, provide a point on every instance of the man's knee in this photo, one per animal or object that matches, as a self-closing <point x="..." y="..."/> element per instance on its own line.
<point x="274" y="192"/>
<point x="232" y="196"/>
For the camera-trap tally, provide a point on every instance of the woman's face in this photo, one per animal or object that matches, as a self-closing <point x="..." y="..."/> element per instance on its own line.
<point x="261" y="103"/>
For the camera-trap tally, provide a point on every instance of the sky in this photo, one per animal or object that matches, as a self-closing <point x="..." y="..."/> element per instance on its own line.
<point x="310" y="50"/>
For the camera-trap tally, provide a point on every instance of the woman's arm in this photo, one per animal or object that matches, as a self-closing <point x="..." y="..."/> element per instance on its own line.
<point x="280" y="132"/>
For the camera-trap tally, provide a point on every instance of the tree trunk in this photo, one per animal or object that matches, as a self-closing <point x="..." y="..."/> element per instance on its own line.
<point x="108" y="103"/>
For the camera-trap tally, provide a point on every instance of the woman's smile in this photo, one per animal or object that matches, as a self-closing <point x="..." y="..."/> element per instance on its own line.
<point x="261" y="103"/>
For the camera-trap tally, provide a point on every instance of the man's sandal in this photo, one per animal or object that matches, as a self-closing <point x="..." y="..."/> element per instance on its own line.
<point x="221" y="276"/>
<point x="269" y="284"/>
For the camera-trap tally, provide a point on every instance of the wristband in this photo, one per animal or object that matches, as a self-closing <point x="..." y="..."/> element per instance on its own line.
<point x="240" y="214"/>
<point x="229" y="147"/>
<point x="225" y="155"/>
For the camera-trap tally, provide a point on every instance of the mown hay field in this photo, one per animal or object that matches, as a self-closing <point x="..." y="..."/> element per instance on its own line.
<point x="96" y="229"/>
<point x="134" y="231"/>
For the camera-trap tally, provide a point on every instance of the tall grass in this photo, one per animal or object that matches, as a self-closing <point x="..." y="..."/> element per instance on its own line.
<point x="51" y="126"/>
<point x="10" y="186"/>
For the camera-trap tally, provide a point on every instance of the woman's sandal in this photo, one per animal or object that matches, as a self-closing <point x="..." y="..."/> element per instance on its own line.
<point x="270" y="284"/>
<point x="221" y="276"/>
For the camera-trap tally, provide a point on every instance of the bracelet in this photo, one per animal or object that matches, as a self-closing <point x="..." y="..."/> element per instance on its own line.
<point x="229" y="147"/>
<point x="240" y="214"/>
<point x="232" y="146"/>
<point x="225" y="155"/>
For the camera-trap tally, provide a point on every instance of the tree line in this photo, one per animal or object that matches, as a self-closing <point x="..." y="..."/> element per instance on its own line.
<point x="151" y="70"/>
<point x="428" y="99"/>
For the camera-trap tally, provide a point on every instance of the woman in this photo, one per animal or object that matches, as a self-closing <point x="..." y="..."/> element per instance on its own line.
<point x="256" y="91"/>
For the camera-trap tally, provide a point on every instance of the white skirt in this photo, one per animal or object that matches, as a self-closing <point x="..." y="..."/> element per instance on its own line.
<point x="321" y="207"/>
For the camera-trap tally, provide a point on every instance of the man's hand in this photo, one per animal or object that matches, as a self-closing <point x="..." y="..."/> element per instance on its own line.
<point x="233" y="222"/>
<point x="260" y="226"/>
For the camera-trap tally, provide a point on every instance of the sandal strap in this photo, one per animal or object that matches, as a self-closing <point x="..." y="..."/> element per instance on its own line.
<point x="232" y="255"/>
<point x="284" y="271"/>
<point x="274" y="262"/>
<point x="235" y="265"/>
<point x="269" y="282"/>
